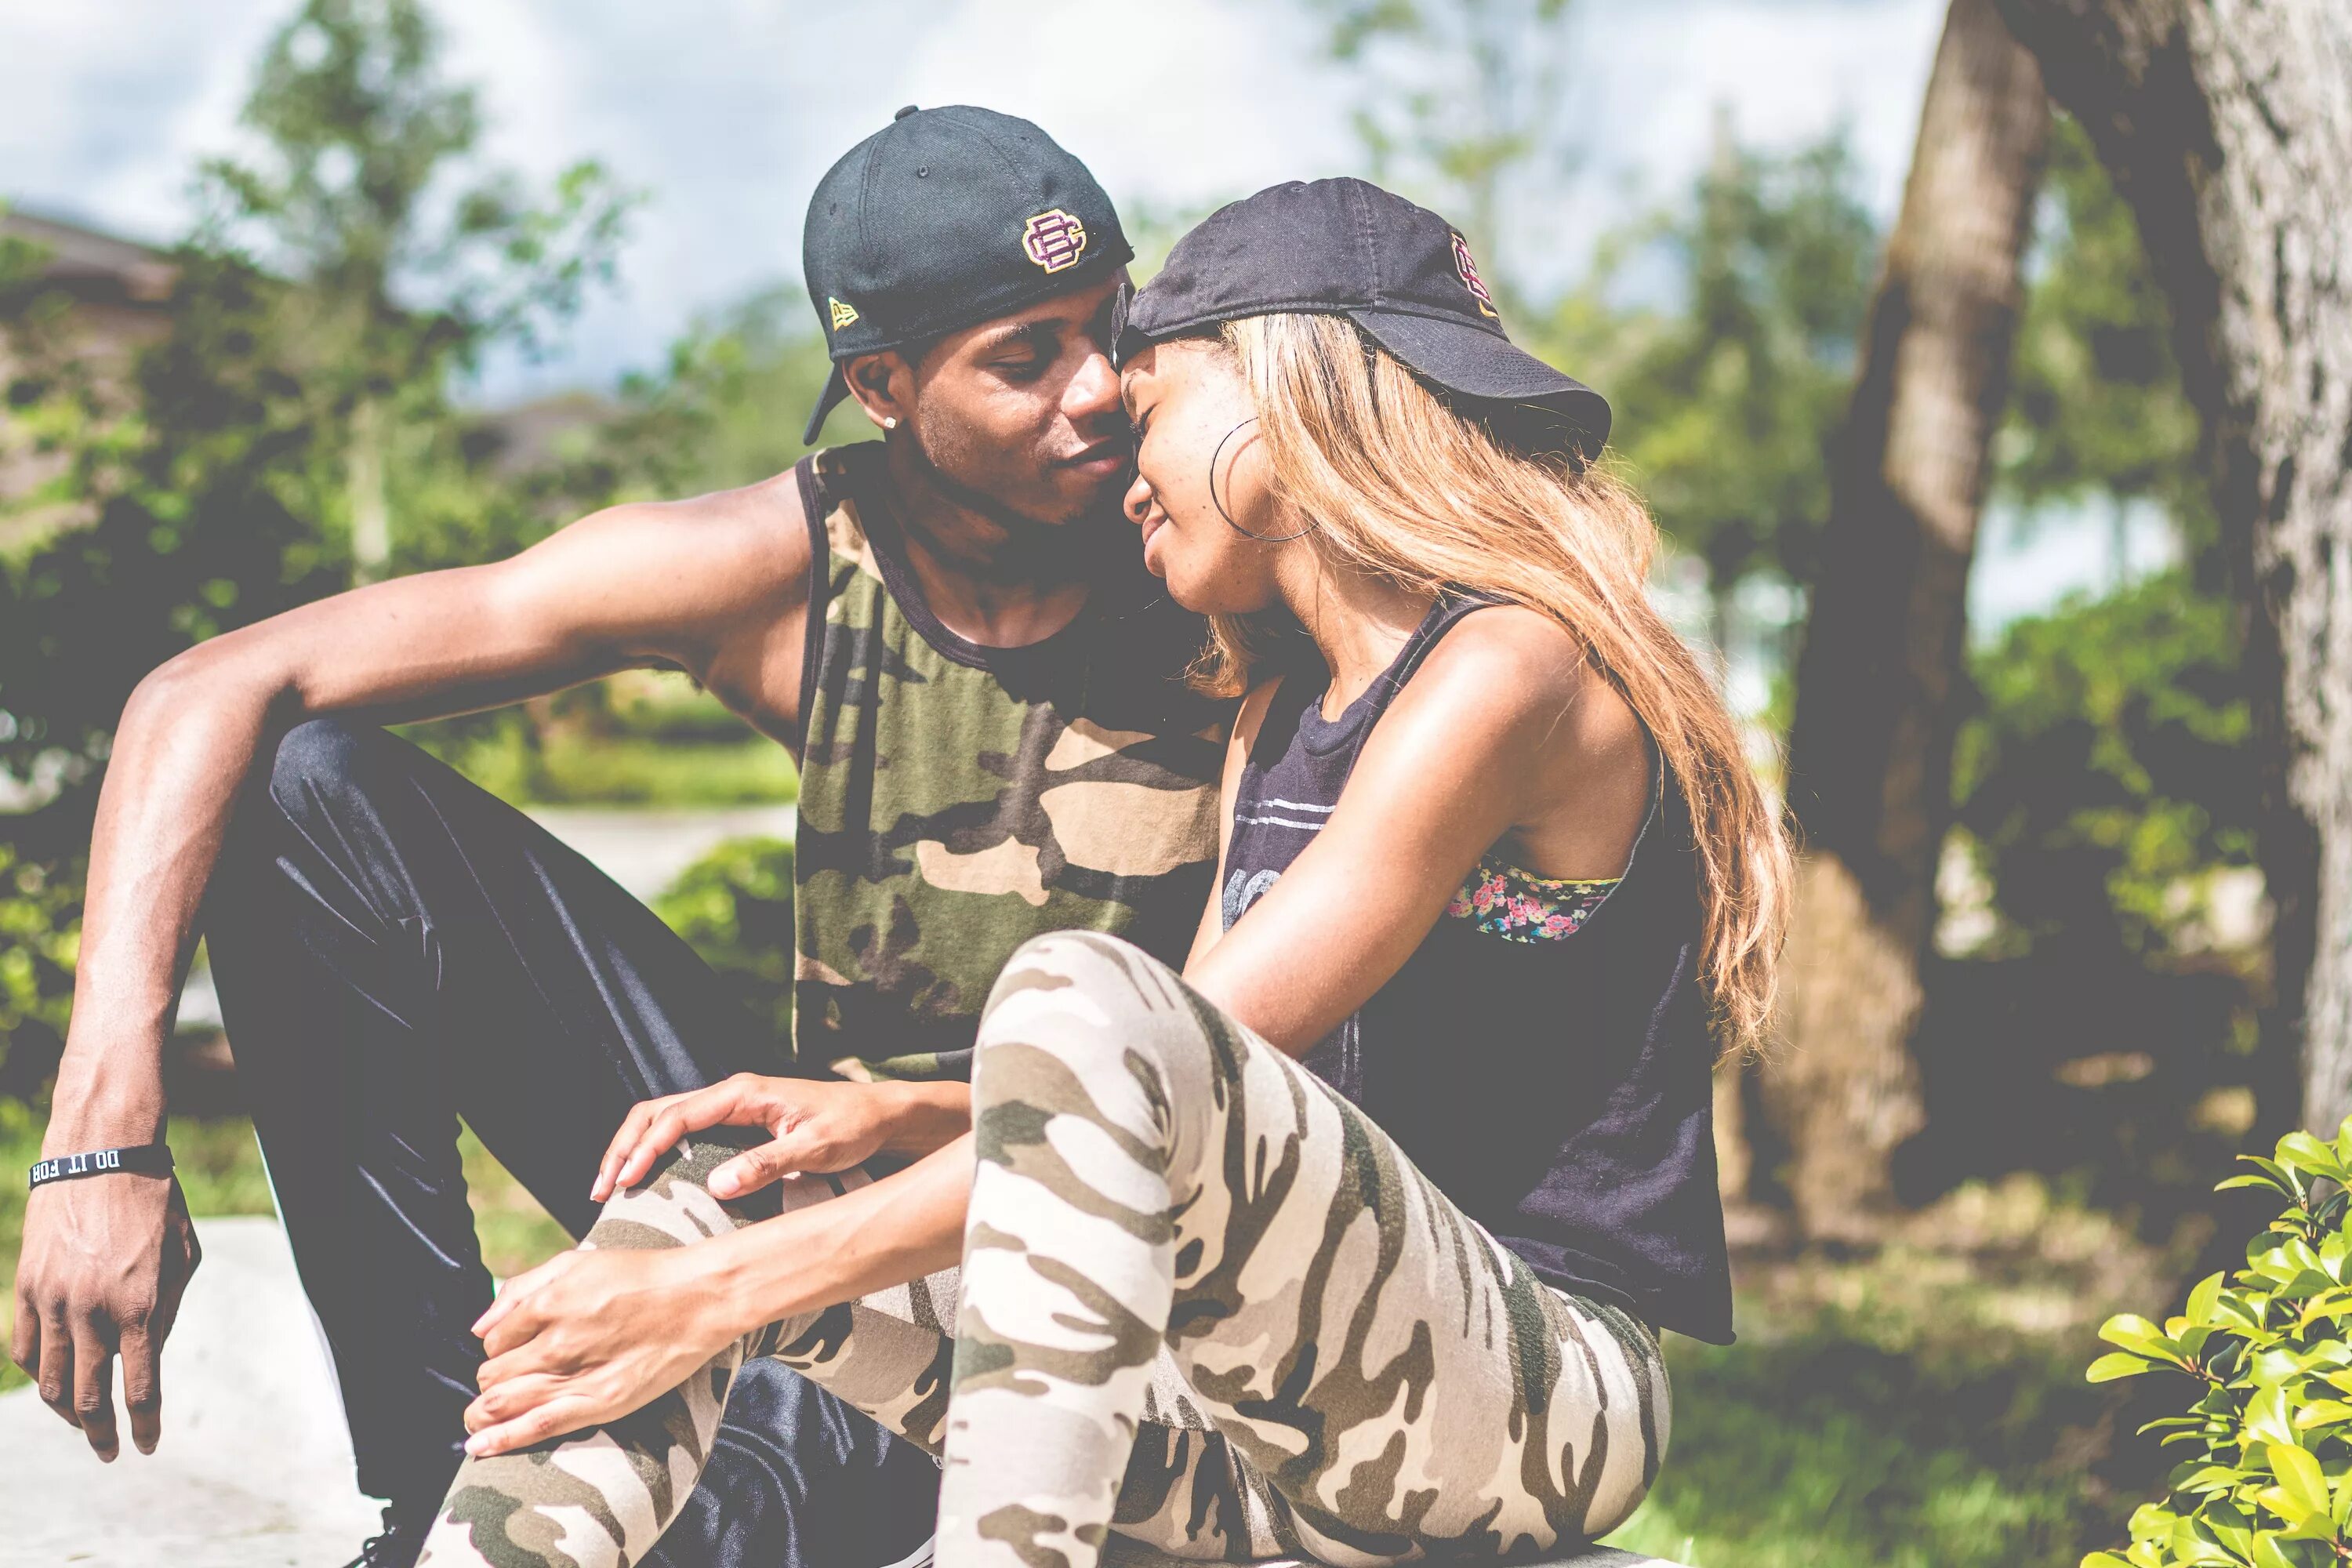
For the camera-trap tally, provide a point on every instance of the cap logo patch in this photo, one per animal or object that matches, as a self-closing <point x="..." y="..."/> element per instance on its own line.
<point x="844" y="313"/>
<point x="1470" y="279"/>
<point x="1053" y="240"/>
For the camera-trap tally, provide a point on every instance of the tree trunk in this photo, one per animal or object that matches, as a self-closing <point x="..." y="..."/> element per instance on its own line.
<point x="2228" y="126"/>
<point x="1870" y="750"/>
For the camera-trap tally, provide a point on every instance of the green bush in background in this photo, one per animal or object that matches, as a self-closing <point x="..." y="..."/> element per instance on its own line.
<point x="2267" y="1482"/>
<point x="735" y="905"/>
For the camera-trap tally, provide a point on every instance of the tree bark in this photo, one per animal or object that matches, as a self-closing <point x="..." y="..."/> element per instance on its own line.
<point x="2228" y="126"/>
<point x="1871" y="746"/>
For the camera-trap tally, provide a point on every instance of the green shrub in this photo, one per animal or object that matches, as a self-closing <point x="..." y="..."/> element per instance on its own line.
<point x="735" y="906"/>
<point x="2267" y="1482"/>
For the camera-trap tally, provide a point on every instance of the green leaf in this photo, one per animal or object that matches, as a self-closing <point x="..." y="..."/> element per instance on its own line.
<point x="2302" y="1152"/>
<point x="2136" y="1333"/>
<point x="2118" y="1364"/>
<point x="2301" y="1478"/>
<point x="2269" y="1555"/>
<point x="2322" y="1413"/>
<point x="2273" y="1175"/>
<point x="2242" y="1309"/>
<point x="2206" y="1479"/>
<point x="2203" y="1297"/>
<point x="2266" y="1418"/>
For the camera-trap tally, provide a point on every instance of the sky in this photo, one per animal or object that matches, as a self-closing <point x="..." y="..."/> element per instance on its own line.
<point x="724" y="112"/>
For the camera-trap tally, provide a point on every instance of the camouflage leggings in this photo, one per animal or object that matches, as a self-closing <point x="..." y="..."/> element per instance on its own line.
<point x="1204" y="1304"/>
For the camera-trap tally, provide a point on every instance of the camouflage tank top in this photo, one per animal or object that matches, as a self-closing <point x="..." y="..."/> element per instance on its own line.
<point x="957" y="800"/>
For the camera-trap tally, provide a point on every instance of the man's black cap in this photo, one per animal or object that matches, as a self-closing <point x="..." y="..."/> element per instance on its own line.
<point x="943" y="218"/>
<point x="1399" y="271"/>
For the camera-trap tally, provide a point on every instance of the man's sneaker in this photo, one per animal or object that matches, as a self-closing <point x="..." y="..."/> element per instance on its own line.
<point x="403" y="1538"/>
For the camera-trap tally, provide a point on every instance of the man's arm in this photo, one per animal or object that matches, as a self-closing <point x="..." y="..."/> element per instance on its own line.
<point x="715" y="586"/>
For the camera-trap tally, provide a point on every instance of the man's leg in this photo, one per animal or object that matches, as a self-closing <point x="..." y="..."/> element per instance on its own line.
<point x="394" y="948"/>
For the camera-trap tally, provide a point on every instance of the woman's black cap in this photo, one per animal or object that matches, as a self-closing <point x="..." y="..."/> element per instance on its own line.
<point x="1399" y="271"/>
<point x="941" y="219"/>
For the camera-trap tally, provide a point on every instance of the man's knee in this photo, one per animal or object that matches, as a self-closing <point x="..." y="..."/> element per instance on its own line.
<point x="320" y="776"/>
<point x="322" y="758"/>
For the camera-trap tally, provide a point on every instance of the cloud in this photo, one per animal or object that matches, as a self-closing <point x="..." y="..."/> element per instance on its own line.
<point x="109" y="105"/>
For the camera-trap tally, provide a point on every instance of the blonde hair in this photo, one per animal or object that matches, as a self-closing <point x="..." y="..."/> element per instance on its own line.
<point x="1401" y="485"/>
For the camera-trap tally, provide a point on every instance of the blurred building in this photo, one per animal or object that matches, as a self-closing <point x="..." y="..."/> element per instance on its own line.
<point x="104" y="299"/>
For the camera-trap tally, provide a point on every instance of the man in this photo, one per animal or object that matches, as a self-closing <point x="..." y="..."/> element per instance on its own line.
<point x="950" y="627"/>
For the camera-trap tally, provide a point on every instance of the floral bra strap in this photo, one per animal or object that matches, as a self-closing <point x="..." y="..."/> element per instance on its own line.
<point x="1503" y="900"/>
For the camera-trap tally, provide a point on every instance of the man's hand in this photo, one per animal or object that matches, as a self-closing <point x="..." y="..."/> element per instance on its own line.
<point x="818" y="1128"/>
<point x="587" y="1337"/>
<point x="105" y="1261"/>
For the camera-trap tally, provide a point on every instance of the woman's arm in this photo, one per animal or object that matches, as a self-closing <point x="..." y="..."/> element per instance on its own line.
<point x="588" y="1337"/>
<point x="1504" y="733"/>
<point x="819" y="1126"/>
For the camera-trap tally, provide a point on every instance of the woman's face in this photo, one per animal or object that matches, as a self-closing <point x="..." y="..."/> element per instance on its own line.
<point x="1187" y="399"/>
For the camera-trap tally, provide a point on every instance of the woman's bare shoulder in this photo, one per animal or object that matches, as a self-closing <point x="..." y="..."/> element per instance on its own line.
<point x="1522" y="671"/>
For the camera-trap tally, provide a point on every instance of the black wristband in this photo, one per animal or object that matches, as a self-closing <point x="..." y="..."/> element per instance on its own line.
<point x="147" y="1160"/>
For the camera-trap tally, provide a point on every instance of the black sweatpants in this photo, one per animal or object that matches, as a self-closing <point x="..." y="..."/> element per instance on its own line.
<point x="395" y="948"/>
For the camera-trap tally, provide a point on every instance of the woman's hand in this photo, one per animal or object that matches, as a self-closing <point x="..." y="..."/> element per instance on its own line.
<point x="587" y="1337"/>
<point x="819" y="1127"/>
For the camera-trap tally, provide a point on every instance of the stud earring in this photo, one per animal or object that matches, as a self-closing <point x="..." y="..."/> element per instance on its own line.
<point x="890" y="422"/>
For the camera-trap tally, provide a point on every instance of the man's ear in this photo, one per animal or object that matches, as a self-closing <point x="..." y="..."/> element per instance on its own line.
<point x="884" y="385"/>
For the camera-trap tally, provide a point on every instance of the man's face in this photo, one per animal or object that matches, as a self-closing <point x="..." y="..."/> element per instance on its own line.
<point x="1020" y="416"/>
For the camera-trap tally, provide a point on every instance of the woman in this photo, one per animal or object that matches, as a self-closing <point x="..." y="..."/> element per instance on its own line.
<point x="1495" y="868"/>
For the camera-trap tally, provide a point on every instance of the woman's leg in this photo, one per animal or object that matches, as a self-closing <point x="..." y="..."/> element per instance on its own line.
<point x="1150" y="1170"/>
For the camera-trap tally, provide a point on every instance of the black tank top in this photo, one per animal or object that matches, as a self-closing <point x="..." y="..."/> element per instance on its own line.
<point x="1545" y="1055"/>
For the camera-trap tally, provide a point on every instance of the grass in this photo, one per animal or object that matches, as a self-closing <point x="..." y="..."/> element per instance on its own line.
<point x="1922" y="1408"/>
<point x="640" y="738"/>
<point x="570" y="768"/>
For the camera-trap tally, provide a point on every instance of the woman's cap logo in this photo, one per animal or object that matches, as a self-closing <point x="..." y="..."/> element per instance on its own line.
<point x="1054" y="240"/>
<point x="1470" y="279"/>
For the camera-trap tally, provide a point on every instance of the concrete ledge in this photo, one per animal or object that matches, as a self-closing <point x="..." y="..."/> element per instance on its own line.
<point x="254" y="1467"/>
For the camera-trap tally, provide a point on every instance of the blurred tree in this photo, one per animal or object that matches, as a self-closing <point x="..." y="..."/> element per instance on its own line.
<point x="2228" y="129"/>
<point x="2097" y="415"/>
<point x="2109" y="771"/>
<point x="735" y="905"/>
<point x="726" y="409"/>
<point x="408" y="262"/>
<point x="1871" y="744"/>
<point x="1725" y="405"/>
<point x="199" y="490"/>
<point x="342" y="268"/>
<point x="1461" y="102"/>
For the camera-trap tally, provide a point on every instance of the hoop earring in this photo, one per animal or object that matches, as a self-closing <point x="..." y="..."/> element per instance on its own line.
<point x="1220" y="505"/>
